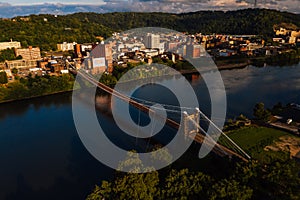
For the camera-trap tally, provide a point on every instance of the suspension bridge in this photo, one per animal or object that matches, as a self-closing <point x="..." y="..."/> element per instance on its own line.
<point x="222" y="145"/>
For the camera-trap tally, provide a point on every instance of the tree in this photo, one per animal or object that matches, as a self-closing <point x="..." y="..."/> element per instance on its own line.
<point x="16" y="90"/>
<point x="277" y="179"/>
<point x="260" y="113"/>
<point x="130" y="185"/>
<point x="277" y="109"/>
<point x="281" y="179"/>
<point x="14" y="71"/>
<point x="180" y="184"/>
<point x="3" y="78"/>
<point x="230" y="189"/>
<point x="184" y="184"/>
<point x="108" y="79"/>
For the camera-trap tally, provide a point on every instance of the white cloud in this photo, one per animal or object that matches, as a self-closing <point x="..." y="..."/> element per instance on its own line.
<point x="174" y="6"/>
<point x="194" y="5"/>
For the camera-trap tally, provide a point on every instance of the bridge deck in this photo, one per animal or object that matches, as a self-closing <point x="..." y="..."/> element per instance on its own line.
<point x="199" y="138"/>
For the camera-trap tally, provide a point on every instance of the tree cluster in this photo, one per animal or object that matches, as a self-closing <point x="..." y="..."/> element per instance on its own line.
<point x="260" y="113"/>
<point x="3" y="78"/>
<point x="276" y="179"/>
<point x="8" y="54"/>
<point x="35" y="86"/>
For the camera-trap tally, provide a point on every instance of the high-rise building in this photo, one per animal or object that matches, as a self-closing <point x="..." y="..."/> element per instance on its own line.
<point x="152" y="41"/>
<point x="104" y="51"/>
<point x="193" y="50"/>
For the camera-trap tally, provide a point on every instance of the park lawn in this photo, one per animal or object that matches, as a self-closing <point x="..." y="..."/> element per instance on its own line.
<point x="254" y="139"/>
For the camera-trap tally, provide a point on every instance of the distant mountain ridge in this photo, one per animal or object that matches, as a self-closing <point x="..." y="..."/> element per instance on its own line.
<point x="46" y="31"/>
<point x="9" y="11"/>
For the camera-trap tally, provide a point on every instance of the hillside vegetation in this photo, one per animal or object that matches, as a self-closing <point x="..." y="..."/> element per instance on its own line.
<point x="47" y="30"/>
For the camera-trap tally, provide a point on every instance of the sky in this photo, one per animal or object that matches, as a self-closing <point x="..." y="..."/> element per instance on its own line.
<point x="175" y="5"/>
<point x="31" y="2"/>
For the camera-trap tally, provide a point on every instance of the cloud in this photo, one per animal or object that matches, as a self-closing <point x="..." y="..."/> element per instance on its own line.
<point x="171" y="6"/>
<point x="194" y="5"/>
<point x="4" y="4"/>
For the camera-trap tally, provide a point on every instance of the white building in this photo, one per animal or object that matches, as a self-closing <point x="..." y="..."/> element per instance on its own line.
<point x="66" y="46"/>
<point x="9" y="45"/>
<point x="151" y="53"/>
<point x="254" y="46"/>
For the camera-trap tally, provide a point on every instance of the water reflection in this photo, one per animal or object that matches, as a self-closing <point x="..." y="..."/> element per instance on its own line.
<point x="18" y="108"/>
<point x="246" y="87"/>
<point x="41" y="154"/>
<point x="43" y="158"/>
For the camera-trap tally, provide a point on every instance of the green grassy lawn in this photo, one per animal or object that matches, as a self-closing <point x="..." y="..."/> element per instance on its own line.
<point x="254" y="139"/>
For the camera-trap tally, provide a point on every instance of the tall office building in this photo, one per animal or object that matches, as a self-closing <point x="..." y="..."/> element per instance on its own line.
<point x="152" y="41"/>
<point x="193" y="50"/>
<point x="104" y="51"/>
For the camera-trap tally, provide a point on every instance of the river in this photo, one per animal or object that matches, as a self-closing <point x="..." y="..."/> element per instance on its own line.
<point x="42" y="156"/>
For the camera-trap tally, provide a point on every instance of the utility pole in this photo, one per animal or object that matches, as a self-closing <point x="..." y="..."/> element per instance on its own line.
<point x="255" y="3"/>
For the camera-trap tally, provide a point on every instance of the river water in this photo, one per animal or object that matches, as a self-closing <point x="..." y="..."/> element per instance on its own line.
<point x="42" y="156"/>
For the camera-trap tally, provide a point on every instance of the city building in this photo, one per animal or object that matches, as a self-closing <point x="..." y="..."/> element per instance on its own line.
<point x="151" y="53"/>
<point x="193" y="50"/>
<point x="254" y="46"/>
<point x="152" y="41"/>
<point x="83" y="50"/>
<point x="21" y="64"/>
<point x="171" y="46"/>
<point x="77" y="49"/>
<point x="98" y="65"/>
<point x="29" y="53"/>
<point x="294" y="36"/>
<point x="9" y="45"/>
<point x="282" y="31"/>
<point x="66" y="46"/>
<point x="104" y="51"/>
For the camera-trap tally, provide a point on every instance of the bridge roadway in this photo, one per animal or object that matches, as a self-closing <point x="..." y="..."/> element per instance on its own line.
<point x="199" y="138"/>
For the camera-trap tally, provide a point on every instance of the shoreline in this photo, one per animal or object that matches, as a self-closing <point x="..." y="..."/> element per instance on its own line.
<point x="220" y="67"/>
<point x="35" y="97"/>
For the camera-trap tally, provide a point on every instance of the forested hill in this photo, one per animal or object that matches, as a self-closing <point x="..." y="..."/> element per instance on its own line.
<point x="249" y="21"/>
<point x="47" y="30"/>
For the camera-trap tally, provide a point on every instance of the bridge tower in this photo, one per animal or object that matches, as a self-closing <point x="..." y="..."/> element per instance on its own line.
<point x="188" y="126"/>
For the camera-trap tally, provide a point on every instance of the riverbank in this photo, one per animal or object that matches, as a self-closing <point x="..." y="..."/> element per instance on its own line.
<point x="220" y="65"/>
<point x="33" y="87"/>
<point x="37" y="96"/>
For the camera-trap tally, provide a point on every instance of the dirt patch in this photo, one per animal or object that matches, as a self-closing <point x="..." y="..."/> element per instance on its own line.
<point x="286" y="143"/>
